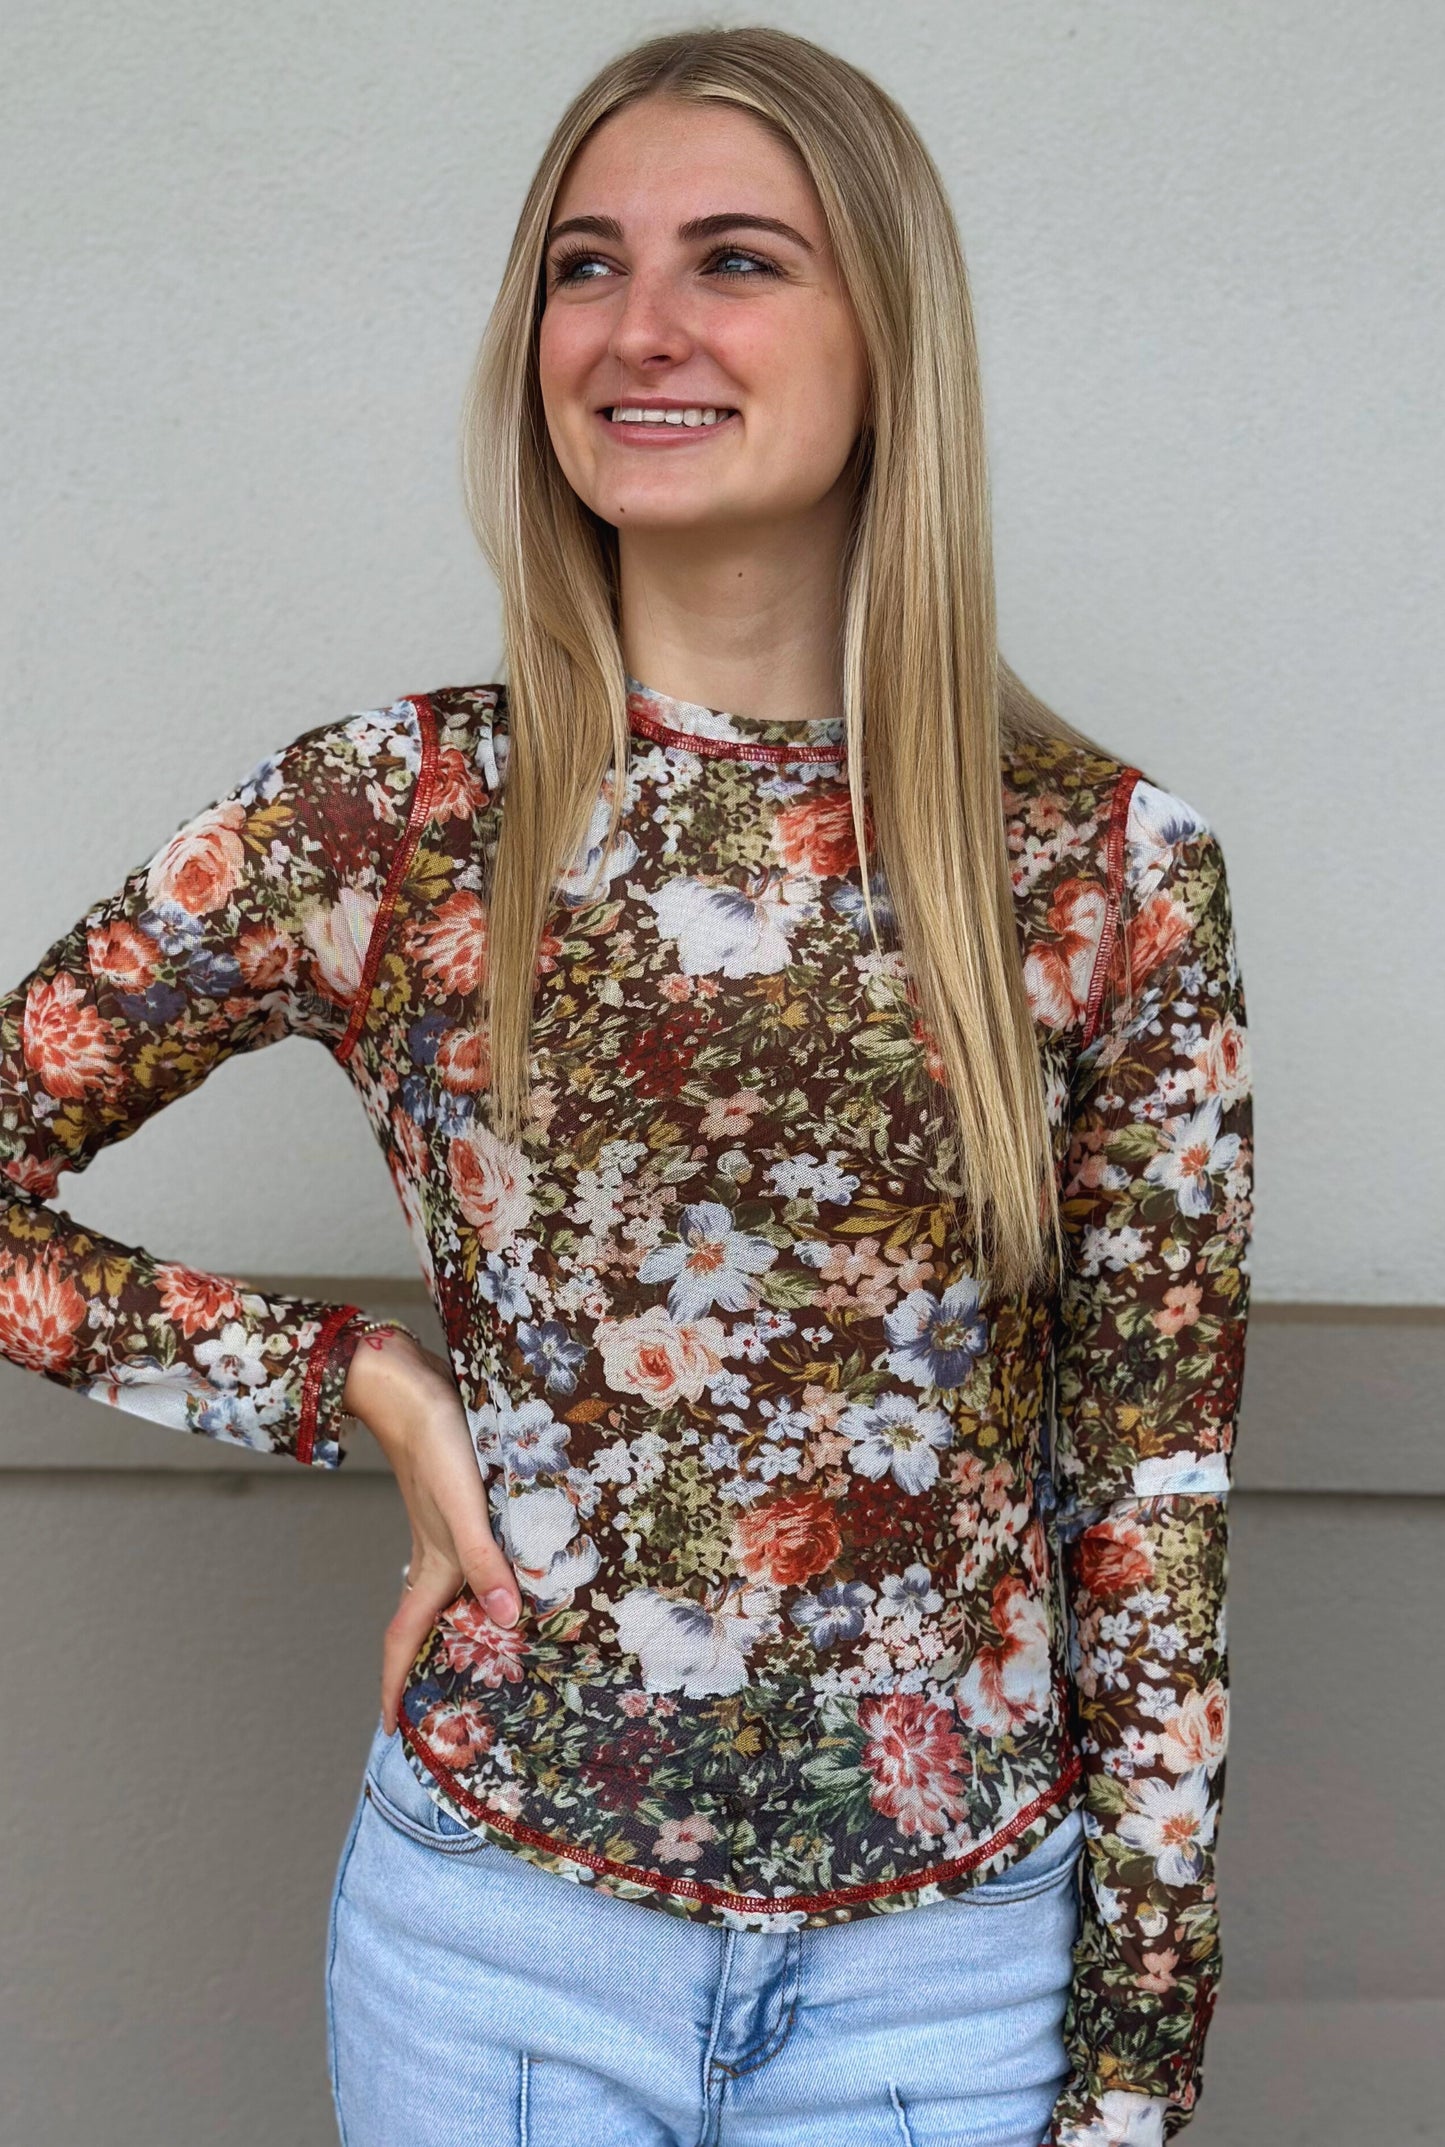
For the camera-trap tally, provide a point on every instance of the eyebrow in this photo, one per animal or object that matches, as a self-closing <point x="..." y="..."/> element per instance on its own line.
<point x="699" y="227"/>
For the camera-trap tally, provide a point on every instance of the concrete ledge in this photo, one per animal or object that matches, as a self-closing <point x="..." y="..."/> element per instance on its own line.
<point x="1337" y="1398"/>
<point x="1328" y="2073"/>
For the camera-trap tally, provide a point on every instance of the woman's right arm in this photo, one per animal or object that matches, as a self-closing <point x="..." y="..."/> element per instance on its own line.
<point x="242" y="928"/>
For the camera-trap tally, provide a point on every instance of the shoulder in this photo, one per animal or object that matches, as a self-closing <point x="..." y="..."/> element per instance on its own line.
<point x="469" y="723"/>
<point x="1092" y="839"/>
<point x="1074" y="810"/>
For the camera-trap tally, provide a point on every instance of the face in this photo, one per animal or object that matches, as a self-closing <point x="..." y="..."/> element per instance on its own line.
<point x="744" y="316"/>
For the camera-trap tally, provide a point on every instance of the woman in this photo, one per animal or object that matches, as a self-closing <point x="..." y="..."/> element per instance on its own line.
<point x="815" y="1078"/>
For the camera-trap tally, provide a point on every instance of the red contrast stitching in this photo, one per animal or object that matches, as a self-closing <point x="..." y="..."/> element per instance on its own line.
<point x="726" y="748"/>
<point x="1118" y="822"/>
<point x="331" y="1327"/>
<point x="421" y="800"/>
<point x="663" y="1882"/>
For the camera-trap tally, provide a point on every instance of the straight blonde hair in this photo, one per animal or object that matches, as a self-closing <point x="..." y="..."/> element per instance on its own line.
<point x="925" y="692"/>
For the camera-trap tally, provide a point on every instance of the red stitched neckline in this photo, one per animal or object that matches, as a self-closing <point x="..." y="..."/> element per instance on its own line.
<point x="711" y="748"/>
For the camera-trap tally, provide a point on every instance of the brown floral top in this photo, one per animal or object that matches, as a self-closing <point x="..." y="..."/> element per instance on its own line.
<point x="846" y="1575"/>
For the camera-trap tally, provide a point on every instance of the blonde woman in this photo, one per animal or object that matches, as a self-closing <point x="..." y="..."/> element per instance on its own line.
<point x="815" y="1077"/>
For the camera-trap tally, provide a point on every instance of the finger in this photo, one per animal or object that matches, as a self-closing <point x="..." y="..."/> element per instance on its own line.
<point x="411" y="1622"/>
<point x="488" y="1574"/>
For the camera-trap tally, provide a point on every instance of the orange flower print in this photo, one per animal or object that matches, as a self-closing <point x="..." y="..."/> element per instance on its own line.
<point x="787" y="1540"/>
<point x="815" y="836"/>
<point x="196" y="1302"/>
<point x="121" y="951"/>
<point x="450" y="942"/>
<point x="41" y="1312"/>
<point x="66" y="1041"/>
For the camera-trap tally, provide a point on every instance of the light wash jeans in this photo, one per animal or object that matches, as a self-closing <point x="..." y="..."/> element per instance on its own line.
<point x="475" y="2000"/>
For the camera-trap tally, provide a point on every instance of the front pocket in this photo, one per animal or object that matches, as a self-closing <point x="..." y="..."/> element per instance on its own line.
<point x="395" y="1794"/>
<point x="463" y="1844"/>
<point x="1049" y="1866"/>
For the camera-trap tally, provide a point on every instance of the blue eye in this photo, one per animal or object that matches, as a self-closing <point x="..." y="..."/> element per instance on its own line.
<point x="565" y="265"/>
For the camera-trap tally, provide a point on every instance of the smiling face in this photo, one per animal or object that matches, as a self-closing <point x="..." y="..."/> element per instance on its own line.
<point x="697" y="274"/>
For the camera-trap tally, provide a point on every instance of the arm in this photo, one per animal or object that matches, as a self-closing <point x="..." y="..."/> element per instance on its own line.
<point x="1149" y="1358"/>
<point x="239" y="930"/>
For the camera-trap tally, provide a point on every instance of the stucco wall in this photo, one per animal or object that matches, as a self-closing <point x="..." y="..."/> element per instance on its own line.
<point x="248" y="255"/>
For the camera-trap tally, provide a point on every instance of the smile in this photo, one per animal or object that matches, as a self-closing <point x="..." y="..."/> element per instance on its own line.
<point x="634" y="422"/>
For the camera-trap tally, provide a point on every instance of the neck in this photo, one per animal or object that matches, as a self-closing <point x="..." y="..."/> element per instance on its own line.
<point x="747" y="618"/>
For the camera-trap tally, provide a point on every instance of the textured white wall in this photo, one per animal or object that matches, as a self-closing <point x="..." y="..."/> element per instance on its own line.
<point x="248" y="256"/>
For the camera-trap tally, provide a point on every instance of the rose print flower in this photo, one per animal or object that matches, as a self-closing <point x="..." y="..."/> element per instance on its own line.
<point x="896" y="1434"/>
<point x="1114" y="1556"/>
<point x="200" y="866"/>
<point x="1198" y="1734"/>
<point x="937" y="1340"/>
<point x="815" y="836"/>
<point x="712" y="1264"/>
<point x="1221" y="1062"/>
<point x="788" y="1540"/>
<point x="492" y="1181"/>
<point x="917" y="1760"/>
<point x="659" y="1358"/>
<point x="265" y="958"/>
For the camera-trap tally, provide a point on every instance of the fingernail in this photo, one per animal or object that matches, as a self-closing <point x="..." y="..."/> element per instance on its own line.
<point x="502" y="1606"/>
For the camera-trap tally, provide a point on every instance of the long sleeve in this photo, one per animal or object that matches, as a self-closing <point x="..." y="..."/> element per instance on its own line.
<point x="1148" y="1365"/>
<point x="239" y="930"/>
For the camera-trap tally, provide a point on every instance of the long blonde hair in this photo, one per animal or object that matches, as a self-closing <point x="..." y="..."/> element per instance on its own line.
<point x="925" y="690"/>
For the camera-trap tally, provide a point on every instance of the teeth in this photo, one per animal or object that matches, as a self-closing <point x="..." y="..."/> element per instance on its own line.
<point x="702" y="414"/>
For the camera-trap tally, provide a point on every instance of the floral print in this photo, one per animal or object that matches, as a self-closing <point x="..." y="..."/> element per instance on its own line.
<point x="846" y="1574"/>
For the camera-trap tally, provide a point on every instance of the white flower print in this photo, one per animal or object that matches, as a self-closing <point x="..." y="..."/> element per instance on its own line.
<point x="712" y="1264"/>
<point x="729" y="929"/>
<point x="896" y="1433"/>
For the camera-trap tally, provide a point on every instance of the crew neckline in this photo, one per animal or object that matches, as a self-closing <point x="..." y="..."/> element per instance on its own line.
<point x="716" y="733"/>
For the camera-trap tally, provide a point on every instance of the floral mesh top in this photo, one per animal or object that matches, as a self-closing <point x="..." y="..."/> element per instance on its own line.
<point x="845" y="1575"/>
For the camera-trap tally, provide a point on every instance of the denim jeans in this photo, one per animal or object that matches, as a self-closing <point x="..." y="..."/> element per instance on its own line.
<point x="475" y="2000"/>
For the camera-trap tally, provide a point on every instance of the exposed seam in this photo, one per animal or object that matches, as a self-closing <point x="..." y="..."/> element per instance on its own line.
<point x="333" y="1324"/>
<point x="1118" y="823"/>
<point x="421" y="800"/>
<point x="728" y="748"/>
<point x="901" y="2114"/>
<point x="698" y="1889"/>
<point x="714" y="2033"/>
<point x="772" y="2042"/>
<point x="524" y="2127"/>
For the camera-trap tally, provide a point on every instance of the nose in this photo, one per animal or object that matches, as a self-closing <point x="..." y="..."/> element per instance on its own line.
<point x="650" y="326"/>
